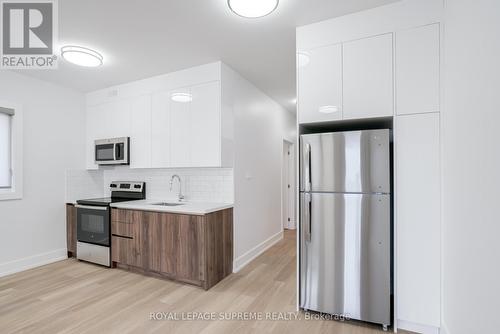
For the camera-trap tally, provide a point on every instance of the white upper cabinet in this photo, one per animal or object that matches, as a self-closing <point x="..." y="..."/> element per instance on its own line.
<point x="140" y="136"/>
<point x="195" y="134"/>
<point x="205" y="134"/>
<point x="160" y="130"/>
<point x="92" y="129"/>
<point x="106" y="120"/>
<point x="117" y="119"/>
<point x="320" y="84"/>
<point x="165" y="129"/>
<point x="180" y="131"/>
<point x="417" y="70"/>
<point x="368" y="77"/>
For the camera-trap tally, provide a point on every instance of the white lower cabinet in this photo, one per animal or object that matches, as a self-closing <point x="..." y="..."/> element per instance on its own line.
<point x="418" y="216"/>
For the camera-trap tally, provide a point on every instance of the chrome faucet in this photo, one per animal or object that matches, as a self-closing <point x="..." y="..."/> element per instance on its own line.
<point x="180" y="196"/>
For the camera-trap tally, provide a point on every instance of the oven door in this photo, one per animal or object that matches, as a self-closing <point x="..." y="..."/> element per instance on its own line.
<point x="93" y="224"/>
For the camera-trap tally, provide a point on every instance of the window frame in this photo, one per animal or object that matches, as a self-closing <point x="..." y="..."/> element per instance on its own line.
<point x="16" y="153"/>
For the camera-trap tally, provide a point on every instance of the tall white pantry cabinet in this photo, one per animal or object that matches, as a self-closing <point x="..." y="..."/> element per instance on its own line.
<point x="385" y="62"/>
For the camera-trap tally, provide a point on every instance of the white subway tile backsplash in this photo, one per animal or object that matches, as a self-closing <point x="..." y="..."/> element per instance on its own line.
<point x="198" y="184"/>
<point x="83" y="184"/>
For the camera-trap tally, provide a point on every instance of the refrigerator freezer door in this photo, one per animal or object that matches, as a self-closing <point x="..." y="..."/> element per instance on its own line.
<point x="345" y="263"/>
<point x="353" y="162"/>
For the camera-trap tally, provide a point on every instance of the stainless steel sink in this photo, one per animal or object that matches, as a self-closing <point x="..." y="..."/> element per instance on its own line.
<point x="167" y="204"/>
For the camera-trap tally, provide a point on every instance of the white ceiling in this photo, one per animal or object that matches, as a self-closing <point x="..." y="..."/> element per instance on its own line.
<point x="143" y="38"/>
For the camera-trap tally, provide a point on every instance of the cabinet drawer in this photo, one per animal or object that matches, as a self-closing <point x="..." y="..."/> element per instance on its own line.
<point x="126" y="250"/>
<point x="125" y="216"/>
<point x="124" y="229"/>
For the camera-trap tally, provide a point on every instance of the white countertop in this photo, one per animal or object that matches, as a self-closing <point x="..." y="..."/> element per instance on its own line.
<point x="189" y="208"/>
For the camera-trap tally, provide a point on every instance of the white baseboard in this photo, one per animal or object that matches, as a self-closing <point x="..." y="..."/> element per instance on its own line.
<point x="444" y="328"/>
<point x="246" y="258"/>
<point x="417" y="328"/>
<point x="29" y="262"/>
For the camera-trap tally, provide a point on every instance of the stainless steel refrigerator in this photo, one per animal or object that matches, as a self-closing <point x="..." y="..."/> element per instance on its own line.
<point x="345" y="231"/>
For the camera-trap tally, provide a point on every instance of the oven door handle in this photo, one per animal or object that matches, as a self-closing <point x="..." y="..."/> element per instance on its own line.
<point x="102" y="208"/>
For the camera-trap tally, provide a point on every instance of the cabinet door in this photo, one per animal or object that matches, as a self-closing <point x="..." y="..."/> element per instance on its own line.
<point x="71" y="228"/>
<point x="127" y="237"/>
<point x="205" y="125"/>
<point x="140" y="138"/>
<point x="180" y="132"/>
<point x="92" y="133"/>
<point x="106" y="120"/>
<point x="190" y="256"/>
<point x="417" y="70"/>
<point x="320" y="85"/>
<point x="418" y="225"/>
<point x="152" y="245"/>
<point x="368" y="77"/>
<point x="160" y="130"/>
<point x="116" y="118"/>
<point x="126" y="251"/>
<point x="170" y="243"/>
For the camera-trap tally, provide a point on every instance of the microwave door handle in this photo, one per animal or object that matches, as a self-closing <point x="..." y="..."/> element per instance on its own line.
<point x="116" y="151"/>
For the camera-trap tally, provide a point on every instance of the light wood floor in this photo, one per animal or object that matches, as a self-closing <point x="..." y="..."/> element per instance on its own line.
<point x="76" y="297"/>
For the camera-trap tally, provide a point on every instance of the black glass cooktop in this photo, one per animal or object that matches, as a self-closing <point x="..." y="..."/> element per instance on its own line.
<point x="102" y="201"/>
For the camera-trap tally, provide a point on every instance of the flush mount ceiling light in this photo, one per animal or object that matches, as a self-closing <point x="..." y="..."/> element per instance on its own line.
<point x="81" y="56"/>
<point x="181" y="97"/>
<point x="252" y="8"/>
<point x="303" y="58"/>
<point x="328" y="109"/>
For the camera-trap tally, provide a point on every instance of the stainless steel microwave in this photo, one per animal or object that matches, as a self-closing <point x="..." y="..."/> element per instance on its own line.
<point x="113" y="151"/>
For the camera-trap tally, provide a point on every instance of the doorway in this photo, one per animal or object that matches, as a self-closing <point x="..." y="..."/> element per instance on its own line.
<point x="288" y="186"/>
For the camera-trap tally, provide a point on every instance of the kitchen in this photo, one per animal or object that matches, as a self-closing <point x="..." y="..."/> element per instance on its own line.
<point x="300" y="168"/>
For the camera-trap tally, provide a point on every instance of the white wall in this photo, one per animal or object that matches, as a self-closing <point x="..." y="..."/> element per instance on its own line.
<point x="471" y="121"/>
<point x="260" y="124"/>
<point x="33" y="229"/>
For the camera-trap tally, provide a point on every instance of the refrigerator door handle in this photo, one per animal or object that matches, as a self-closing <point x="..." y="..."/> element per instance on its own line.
<point x="307" y="168"/>
<point x="307" y="216"/>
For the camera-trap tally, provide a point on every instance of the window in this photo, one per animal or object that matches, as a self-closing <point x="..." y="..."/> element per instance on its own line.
<point x="11" y="151"/>
<point x="5" y="147"/>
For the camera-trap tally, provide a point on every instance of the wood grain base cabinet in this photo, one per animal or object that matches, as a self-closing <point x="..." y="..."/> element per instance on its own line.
<point x="187" y="248"/>
<point x="71" y="230"/>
